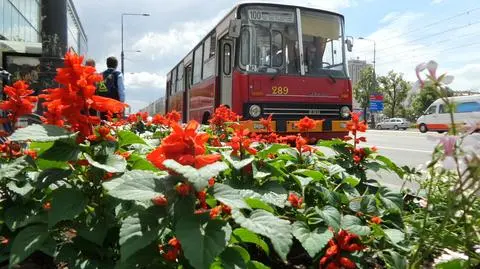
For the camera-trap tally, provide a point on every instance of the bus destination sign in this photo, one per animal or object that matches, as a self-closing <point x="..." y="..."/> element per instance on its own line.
<point x="271" y="16"/>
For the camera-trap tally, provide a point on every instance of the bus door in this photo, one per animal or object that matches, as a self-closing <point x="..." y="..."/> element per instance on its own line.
<point x="226" y="66"/>
<point x="186" y="95"/>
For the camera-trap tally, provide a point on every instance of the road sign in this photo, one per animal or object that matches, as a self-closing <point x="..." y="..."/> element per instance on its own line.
<point x="376" y="102"/>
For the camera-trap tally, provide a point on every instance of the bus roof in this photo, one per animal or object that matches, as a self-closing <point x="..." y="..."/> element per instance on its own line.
<point x="466" y="98"/>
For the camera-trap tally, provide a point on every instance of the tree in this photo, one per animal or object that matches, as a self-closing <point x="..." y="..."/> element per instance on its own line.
<point x="427" y="95"/>
<point x="364" y="88"/>
<point x="395" y="90"/>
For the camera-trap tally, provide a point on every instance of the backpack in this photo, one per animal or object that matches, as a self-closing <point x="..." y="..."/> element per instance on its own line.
<point x="109" y="86"/>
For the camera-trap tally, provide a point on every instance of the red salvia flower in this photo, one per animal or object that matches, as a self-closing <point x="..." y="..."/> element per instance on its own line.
<point x="215" y="212"/>
<point x="306" y="124"/>
<point x="183" y="189"/>
<point x="159" y="120"/>
<point x="47" y="206"/>
<point x="267" y="123"/>
<point x="108" y="176"/>
<point x="20" y="102"/>
<point x="31" y="153"/>
<point x="125" y="154"/>
<point x="355" y="124"/>
<point x="211" y="182"/>
<point x="172" y="251"/>
<point x="185" y="146"/>
<point x="222" y="115"/>
<point x="295" y="200"/>
<point x="159" y="200"/>
<point x="338" y="246"/>
<point x="240" y="141"/>
<point x="226" y="209"/>
<point x="376" y="220"/>
<point x="70" y="103"/>
<point x="202" y="198"/>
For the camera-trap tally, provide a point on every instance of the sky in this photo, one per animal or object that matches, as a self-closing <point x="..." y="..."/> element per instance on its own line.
<point x="406" y="33"/>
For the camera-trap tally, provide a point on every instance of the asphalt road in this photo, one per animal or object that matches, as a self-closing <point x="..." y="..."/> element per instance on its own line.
<point x="410" y="148"/>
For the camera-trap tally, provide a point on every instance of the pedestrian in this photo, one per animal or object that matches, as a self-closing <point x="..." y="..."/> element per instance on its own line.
<point x="90" y="62"/>
<point x="112" y="86"/>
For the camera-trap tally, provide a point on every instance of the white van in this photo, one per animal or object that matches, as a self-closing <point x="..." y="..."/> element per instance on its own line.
<point x="436" y="117"/>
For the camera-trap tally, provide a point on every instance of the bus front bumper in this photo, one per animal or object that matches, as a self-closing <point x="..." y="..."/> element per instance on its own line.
<point x="328" y="126"/>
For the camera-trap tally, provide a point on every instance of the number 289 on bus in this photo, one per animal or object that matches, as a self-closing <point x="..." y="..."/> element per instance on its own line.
<point x="279" y="90"/>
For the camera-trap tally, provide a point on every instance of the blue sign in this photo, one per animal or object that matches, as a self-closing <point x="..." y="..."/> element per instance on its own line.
<point x="376" y="106"/>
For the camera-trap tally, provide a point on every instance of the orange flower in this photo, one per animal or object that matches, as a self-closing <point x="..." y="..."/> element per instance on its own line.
<point x="267" y="123"/>
<point x="173" y="117"/>
<point x="31" y="153"/>
<point x="160" y="200"/>
<point x="19" y="101"/>
<point x="295" y="201"/>
<point x="240" y="143"/>
<point x="215" y="212"/>
<point x="221" y="116"/>
<point x="376" y="220"/>
<point x="159" y="120"/>
<point x="342" y="242"/>
<point x="71" y="102"/>
<point x="301" y="144"/>
<point x="47" y="206"/>
<point x="185" y="146"/>
<point x="355" y="124"/>
<point x="306" y="124"/>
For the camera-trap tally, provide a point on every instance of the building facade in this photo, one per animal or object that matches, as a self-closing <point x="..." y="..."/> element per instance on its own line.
<point x="355" y="68"/>
<point x="21" y="40"/>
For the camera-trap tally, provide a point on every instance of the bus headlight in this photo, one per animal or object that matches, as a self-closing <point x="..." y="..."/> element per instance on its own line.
<point x="345" y="112"/>
<point x="254" y="111"/>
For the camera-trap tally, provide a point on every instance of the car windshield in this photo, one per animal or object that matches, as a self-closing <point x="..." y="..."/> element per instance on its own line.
<point x="270" y="42"/>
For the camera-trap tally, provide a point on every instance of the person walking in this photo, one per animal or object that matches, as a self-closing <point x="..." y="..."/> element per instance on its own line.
<point x="112" y="85"/>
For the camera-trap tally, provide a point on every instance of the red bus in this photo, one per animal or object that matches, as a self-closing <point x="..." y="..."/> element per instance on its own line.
<point x="263" y="59"/>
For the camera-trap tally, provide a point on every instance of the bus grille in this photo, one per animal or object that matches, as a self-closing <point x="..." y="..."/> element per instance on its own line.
<point x="296" y="111"/>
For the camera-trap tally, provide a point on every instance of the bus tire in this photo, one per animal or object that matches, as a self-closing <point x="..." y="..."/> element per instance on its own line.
<point x="206" y="117"/>
<point x="423" y="128"/>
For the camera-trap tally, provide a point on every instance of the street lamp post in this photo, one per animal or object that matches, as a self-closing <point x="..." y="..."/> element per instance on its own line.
<point x="122" y="55"/>
<point x="374" y="75"/>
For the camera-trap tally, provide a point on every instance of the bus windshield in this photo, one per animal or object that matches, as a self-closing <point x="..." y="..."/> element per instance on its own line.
<point x="270" y="42"/>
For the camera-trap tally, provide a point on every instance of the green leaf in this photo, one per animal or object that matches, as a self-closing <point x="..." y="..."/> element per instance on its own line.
<point x="373" y="166"/>
<point x="202" y="243"/>
<point x="391" y="165"/>
<point x="236" y="162"/>
<point x="66" y="205"/>
<point x="19" y="216"/>
<point x="335" y="170"/>
<point x="229" y="196"/>
<point x="396" y="236"/>
<point x="137" y="232"/>
<point x="50" y="176"/>
<point x="136" y="185"/>
<point x="198" y="177"/>
<point x="257" y="265"/>
<point x="23" y="189"/>
<point x="61" y="151"/>
<point x="315" y="175"/>
<point x="351" y="180"/>
<point x="259" y="204"/>
<point x="94" y="232"/>
<point x="231" y="258"/>
<point x="15" y="168"/>
<point x="245" y="236"/>
<point x="272" y="193"/>
<point x="113" y="164"/>
<point x="126" y="138"/>
<point x="354" y="225"/>
<point x="272" y="149"/>
<point x="312" y="241"/>
<point x="139" y="163"/>
<point x="453" y="264"/>
<point x="265" y="223"/>
<point x="395" y="260"/>
<point x="27" y="242"/>
<point x="331" y="216"/>
<point x="392" y="201"/>
<point x="40" y="133"/>
<point x="365" y="204"/>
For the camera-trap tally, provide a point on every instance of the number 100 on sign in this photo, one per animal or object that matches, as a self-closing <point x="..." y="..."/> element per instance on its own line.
<point x="271" y="16"/>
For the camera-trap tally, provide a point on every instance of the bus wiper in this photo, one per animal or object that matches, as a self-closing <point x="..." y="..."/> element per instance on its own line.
<point x="279" y="71"/>
<point x="332" y="78"/>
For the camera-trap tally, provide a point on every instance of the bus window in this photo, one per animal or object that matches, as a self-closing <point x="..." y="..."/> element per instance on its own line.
<point x="245" y="47"/>
<point x="174" y="81"/>
<point x="209" y="56"/>
<point x="468" y="107"/>
<point x="227" y="59"/>
<point x="180" y="78"/>
<point x="322" y="44"/>
<point x="197" y="65"/>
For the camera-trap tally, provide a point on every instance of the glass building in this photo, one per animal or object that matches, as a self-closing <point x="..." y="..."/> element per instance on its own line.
<point x="20" y="22"/>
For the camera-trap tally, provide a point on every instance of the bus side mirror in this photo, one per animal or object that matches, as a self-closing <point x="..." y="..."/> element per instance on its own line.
<point x="349" y="43"/>
<point x="234" y="28"/>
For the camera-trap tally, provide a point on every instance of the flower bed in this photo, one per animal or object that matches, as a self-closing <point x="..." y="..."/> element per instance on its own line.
<point x="146" y="192"/>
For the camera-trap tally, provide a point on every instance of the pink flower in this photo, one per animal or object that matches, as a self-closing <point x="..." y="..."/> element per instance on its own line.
<point x="432" y="69"/>
<point x="448" y="142"/>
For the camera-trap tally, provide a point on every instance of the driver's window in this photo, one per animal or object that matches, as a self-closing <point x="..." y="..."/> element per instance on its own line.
<point x="431" y="110"/>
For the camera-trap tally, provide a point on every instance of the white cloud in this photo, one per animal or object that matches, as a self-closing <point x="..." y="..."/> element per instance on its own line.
<point x="145" y="80"/>
<point x="434" y="2"/>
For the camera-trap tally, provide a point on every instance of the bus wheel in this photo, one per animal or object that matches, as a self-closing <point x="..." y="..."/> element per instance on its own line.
<point x="206" y="117"/>
<point x="423" y="128"/>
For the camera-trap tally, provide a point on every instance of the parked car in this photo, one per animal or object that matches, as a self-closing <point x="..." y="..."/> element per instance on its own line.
<point x="437" y="118"/>
<point x="393" y="123"/>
